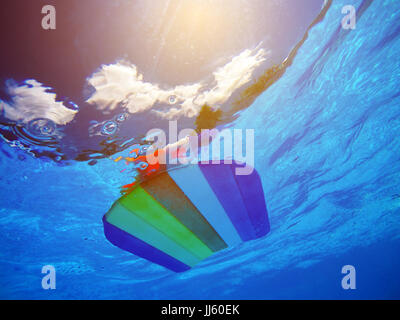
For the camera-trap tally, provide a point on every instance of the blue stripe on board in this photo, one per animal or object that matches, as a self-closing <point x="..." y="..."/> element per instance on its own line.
<point x="252" y="191"/>
<point x="222" y="181"/>
<point x="129" y="243"/>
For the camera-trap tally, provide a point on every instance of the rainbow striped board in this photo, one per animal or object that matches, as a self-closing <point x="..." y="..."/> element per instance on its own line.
<point x="181" y="217"/>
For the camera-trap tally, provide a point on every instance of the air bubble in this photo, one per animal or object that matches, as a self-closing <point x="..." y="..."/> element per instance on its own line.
<point x="143" y="149"/>
<point x="121" y="117"/>
<point x="143" y="166"/>
<point x="71" y="105"/>
<point x="172" y="99"/>
<point x="41" y="128"/>
<point x="109" y="128"/>
<point x="134" y="155"/>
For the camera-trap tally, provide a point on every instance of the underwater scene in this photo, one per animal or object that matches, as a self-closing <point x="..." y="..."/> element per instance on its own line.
<point x="314" y="83"/>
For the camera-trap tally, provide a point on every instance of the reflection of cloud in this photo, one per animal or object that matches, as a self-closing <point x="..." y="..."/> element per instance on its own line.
<point x="32" y="101"/>
<point x="122" y="84"/>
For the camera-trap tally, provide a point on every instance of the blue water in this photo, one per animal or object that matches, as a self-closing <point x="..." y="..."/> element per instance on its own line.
<point x="327" y="149"/>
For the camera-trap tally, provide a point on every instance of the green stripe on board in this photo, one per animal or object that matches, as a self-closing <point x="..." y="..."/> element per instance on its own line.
<point x="146" y="207"/>
<point x="164" y="189"/>
<point x="127" y="221"/>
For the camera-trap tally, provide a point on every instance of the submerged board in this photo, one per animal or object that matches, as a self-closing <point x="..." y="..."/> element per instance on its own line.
<point x="181" y="217"/>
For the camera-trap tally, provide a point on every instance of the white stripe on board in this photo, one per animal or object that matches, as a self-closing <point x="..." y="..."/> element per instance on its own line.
<point x="193" y="183"/>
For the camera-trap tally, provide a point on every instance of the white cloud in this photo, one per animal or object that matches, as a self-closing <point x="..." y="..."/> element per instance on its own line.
<point x="32" y="101"/>
<point x="121" y="83"/>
